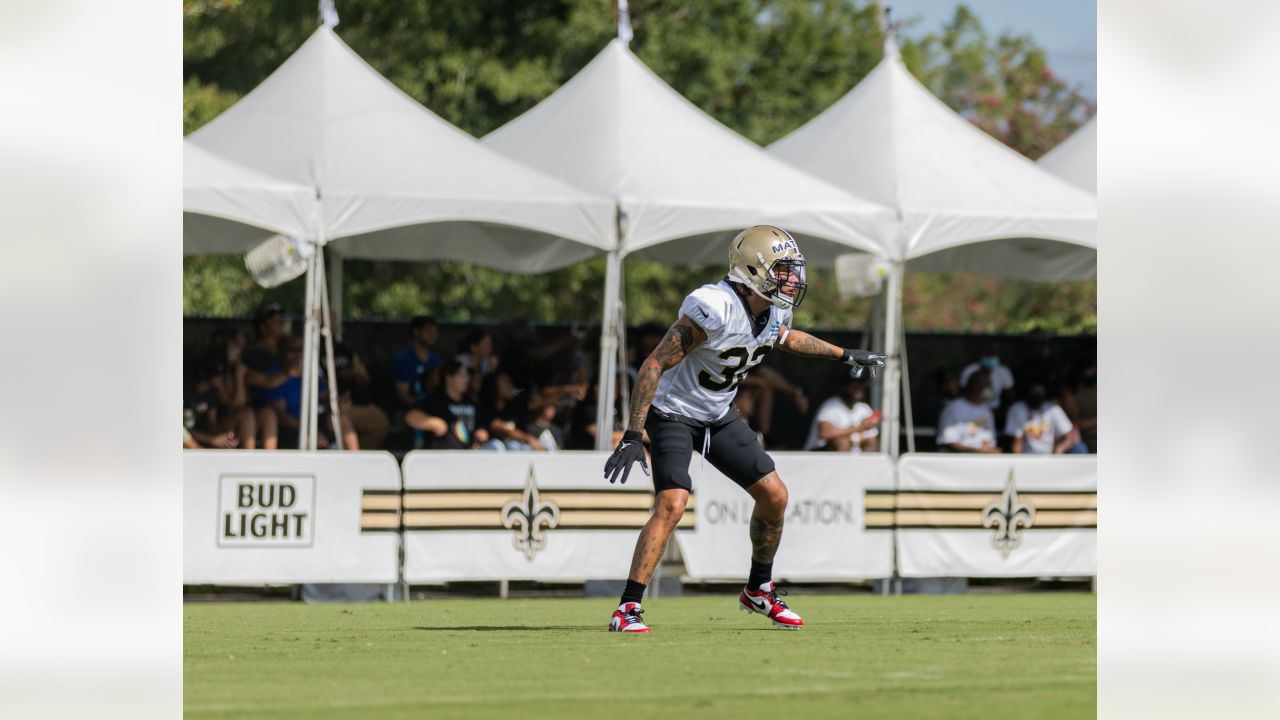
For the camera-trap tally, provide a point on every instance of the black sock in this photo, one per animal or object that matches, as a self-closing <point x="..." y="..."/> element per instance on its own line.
<point x="761" y="573"/>
<point x="633" y="592"/>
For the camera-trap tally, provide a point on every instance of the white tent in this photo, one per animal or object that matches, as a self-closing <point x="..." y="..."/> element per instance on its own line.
<point x="228" y="208"/>
<point x="676" y="173"/>
<point x="684" y="184"/>
<point x="394" y="181"/>
<point x="889" y="139"/>
<point x="966" y="202"/>
<point x="1076" y="158"/>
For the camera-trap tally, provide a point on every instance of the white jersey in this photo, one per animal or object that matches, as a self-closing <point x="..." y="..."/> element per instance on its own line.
<point x="703" y="384"/>
<point x="842" y="417"/>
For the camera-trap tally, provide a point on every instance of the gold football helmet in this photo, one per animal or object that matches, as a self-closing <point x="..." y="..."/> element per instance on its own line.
<point x="768" y="260"/>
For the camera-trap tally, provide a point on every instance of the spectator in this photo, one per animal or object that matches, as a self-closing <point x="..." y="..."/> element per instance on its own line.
<point x="542" y="425"/>
<point x="967" y="424"/>
<point x="476" y="354"/>
<point x="1001" y="384"/>
<point x="502" y="412"/>
<point x="1081" y="405"/>
<point x="1038" y="426"/>
<point x="582" y="423"/>
<point x="263" y="370"/>
<point x="413" y="361"/>
<point x="233" y="386"/>
<point x="286" y="402"/>
<point x="447" y="419"/>
<point x="844" y="422"/>
<point x="355" y="402"/>
<point x="200" y="416"/>
<point x="745" y="402"/>
<point x="764" y="382"/>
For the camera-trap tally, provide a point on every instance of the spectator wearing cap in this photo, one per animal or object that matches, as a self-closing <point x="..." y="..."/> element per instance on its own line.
<point x="1038" y="426"/>
<point x="414" y="361"/>
<point x="967" y="423"/>
<point x="845" y="422"/>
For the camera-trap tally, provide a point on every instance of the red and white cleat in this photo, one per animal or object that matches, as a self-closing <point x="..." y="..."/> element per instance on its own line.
<point x="765" y="601"/>
<point x="627" y="618"/>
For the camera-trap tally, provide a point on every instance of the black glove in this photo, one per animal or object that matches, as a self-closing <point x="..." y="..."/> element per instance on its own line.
<point x="861" y="359"/>
<point x="629" y="449"/>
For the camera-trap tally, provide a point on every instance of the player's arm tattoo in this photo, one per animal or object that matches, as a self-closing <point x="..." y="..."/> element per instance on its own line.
<point x="681" y="337"/>
<point x="765" y="537"/>
<point x="799" y="342"/>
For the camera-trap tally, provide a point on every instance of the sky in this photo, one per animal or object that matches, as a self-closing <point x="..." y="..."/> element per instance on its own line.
<point x="1066" y="29"/>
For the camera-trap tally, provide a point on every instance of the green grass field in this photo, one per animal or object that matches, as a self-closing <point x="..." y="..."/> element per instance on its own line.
<point x="975" y="656"/>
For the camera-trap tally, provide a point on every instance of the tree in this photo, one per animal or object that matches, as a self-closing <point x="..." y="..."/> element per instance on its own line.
<point x="1002" y="85"/>
<point x="761" y="67"/>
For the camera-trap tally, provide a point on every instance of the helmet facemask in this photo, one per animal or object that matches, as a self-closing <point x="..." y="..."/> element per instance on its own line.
<point x="786" y="280"/>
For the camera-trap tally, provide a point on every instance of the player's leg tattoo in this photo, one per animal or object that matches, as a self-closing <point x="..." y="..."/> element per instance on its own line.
<point x="653" y="538"/>
<point x="765" y="537"/>
<point x="767" y="517"/>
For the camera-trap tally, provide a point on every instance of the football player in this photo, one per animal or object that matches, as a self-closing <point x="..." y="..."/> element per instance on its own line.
<point x="683" y="397"/>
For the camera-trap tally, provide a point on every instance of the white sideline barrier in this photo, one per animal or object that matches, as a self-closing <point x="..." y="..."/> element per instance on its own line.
<point x="467" y="517"/>
<point x="994" y="516"/>
<point x="824" y="537"/>
<point x="253" y="517"/>
<point x="519" y="516"/>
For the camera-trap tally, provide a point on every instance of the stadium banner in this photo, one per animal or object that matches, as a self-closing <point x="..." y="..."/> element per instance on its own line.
<point x="992" y="515"/>
<point x="824" y="536"/>
<point x="520" y="516"/>
<point x="260" y="518"/>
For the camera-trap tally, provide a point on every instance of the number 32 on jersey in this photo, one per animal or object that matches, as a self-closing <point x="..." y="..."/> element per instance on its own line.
<point x="736" y="368"/>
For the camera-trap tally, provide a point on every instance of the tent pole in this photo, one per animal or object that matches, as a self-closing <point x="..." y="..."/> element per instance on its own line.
<point x="308" y="358"/>
<point x="606" y="387"/>
<point x="334" y="268"/>
<point x="906" y="389"/>
<point x="313" y="312"/>
<point x="893" y="317"/>
<point x="326" y="333"/>
<point x="874" y="341"/>
<point x="624" y="377"/>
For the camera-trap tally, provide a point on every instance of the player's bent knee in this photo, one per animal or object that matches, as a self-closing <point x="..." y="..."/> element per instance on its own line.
<point x="670" y="503"/>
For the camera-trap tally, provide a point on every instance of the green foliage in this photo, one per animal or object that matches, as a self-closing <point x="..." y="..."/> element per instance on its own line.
<point x="761" y="67"/>
<point x="1003" y="85"/>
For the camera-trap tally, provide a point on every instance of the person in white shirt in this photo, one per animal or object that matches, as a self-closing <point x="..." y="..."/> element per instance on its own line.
<point x="1001" y="385"/>
<point x="967" y="423"/>
<point x="1038" y="425"/>
<point x="844" y="422"/>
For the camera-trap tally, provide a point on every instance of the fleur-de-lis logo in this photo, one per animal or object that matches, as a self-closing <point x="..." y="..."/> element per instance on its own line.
<point x="1009" y="516"/>
<point x="529" y="517"/>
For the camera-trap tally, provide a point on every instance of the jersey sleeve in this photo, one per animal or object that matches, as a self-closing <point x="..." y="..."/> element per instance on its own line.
<point x="705" y="312"/>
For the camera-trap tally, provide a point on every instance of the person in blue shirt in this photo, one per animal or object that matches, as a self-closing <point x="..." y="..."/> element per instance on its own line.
<point x="409" y="365"/>
<point x="286" y="399"/>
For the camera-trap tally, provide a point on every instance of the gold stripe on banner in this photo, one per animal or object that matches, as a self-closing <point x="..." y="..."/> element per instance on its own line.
<point x="380" y="502"/>
<point x="482" y="509"/>
<point x="463" y="499"/>
<point x="885" y="509"/>
<point x="379" y="521"/>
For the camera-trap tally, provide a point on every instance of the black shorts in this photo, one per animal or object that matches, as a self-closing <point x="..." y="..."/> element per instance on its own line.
<point x="734" y="450"/>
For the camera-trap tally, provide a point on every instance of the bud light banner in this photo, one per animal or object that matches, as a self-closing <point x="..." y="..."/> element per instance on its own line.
<point x="252" y="517"/>
<point x="824" y="536"/>
<point x="521" y="516"/>
<point x="992" y="515"/>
